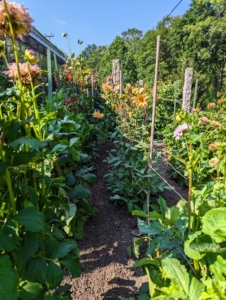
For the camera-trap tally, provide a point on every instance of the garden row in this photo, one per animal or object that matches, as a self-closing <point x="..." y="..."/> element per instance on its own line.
<point x="46" y="151"/>
<point x="185" y="256"/>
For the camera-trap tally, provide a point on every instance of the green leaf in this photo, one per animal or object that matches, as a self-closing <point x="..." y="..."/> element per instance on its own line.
<point x="214" y="224"/>
<point x="79" y="192"/>
<point x="63" y="249"/>
<point x="8" y="238"/>
<point x="8" y="280"/>
<point x="74" y="153"/>
<point x="163" y="206"/>
<point x="89" y="177"/>
<point x="3" y="167"/>
<point x="31" y="218"/>
<point x="207" y="247"/>
<point x="29" y="247"/>
<point x="74" y="142"/>
<point x="147" y="261"/>
<point x="153" y="228"/>
<point x="173" y="214"/>
<point x="55" y="275"/>
<point x="73" y="265"/>
<point x="36" y="270"/>
<point x="190" y="251"/>
<point x="139" y="213"/>
<point x="33" y="143"/>
<point x="30" y="290"/>
<point x="196" y="288"/>
<point x="177" y="273"/>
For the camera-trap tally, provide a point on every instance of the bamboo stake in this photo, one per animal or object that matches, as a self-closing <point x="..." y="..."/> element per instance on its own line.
<point x="120" y="81"/>
<point x="153" y="115"/>
<point x="175" y="100"/>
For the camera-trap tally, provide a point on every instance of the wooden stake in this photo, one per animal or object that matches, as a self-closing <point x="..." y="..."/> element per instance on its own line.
<point x="120" y="81"/>
<point x="153" y="114"/>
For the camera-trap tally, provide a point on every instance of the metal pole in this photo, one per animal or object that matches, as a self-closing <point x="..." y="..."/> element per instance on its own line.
<point x="50" y="87"/>
<point x="92" y="86"/>
<point x="195" y="94"/>
<point x="57" y="72"/>
<point x="153" y="114"/>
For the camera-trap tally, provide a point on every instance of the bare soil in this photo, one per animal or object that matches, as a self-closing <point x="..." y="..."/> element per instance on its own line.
<point x="107" y="271"/>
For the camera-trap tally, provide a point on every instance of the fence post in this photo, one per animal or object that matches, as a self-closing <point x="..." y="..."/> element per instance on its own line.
<point x="195" y="94"/>
<point x="186" y="103"/>
<point x="57" y="72"/>
<point x="49" y="69"/>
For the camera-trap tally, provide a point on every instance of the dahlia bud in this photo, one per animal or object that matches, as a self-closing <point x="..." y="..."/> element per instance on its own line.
<point x="29" y="55"/>
<point x="2" y="48"/>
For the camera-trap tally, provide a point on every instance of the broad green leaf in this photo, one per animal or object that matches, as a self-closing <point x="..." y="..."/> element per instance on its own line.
<point x="147" y="261"/>
<point x="214" y="224"/>
<point x="23" y="158"/>
<point x="74" y="153"/>
<point x="163" y="206"/>
<point x="5" y="262"/>
<point x="177" y="273"/>
<point x="30" y="290"/>
<point x="8" y="238"/>
<point x="172" y="215"/>
<point x="55" y="275"/>
<point x="139" y="213"/>
<point x="29" y="247"/>
<point x="8" y="281"/>
<point x="190" y="251"/>
<point x="195" y="289"/>
<point x="207" y="247"/>
<point x="33" y="143"/>
<point x="70" y="179"/>
<point x="73" y="265"/>
<point x="64" y="248"/>
<point x="79" y="192"/>
<point x="36" y="270"/>
<point x="89" y="177"/>
<point x="74" y="142"/>
<point x="31" y="218"/>
<point x="153" y="228"/>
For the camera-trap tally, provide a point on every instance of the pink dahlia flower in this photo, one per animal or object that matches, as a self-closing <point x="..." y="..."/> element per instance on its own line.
<point x="24" y="72"/>
<point x="178" y="132"/>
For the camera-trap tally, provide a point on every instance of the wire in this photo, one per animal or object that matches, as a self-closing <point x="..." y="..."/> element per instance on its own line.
<point x="174" y="9"/>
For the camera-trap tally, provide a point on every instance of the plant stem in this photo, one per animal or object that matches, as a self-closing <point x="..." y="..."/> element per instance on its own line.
<point x="21" y="110"/>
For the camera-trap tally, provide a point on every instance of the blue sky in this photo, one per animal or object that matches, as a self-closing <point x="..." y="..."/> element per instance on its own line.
<point x="97" y="21"/>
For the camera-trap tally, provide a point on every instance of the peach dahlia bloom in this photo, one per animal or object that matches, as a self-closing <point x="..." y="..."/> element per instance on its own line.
<point x="20" y="19"/>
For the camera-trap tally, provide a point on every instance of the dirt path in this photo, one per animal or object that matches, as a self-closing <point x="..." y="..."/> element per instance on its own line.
<point x="106" y="266"/>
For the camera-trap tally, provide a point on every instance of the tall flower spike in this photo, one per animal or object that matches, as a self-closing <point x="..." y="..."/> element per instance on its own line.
<point x="20" y="19"/>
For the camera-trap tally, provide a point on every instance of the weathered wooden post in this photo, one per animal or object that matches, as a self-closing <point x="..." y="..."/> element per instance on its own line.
<point x="57" y="72"/>
<point x="186" y="103"/>
<point x="50" y="86"/>
<point x="115" y="71"/>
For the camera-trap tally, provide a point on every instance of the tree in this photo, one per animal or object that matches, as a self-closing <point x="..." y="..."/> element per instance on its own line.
<point x="94" y="59"/>
<point x="88" y="51"/>
<point x="118" y="50"/>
